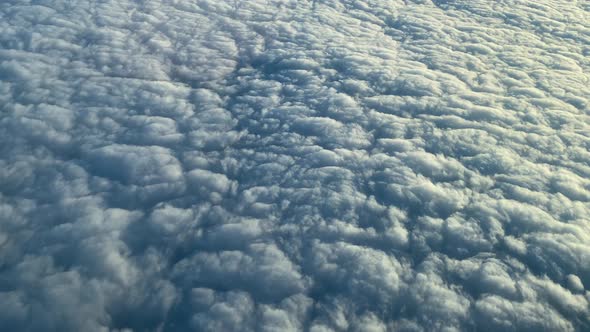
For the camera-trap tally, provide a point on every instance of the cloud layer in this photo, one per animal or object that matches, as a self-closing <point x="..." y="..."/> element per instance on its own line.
<point x="273" y="165"/>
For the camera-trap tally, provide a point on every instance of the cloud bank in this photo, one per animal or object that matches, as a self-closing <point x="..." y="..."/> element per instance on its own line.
<point x="274" y="165"/>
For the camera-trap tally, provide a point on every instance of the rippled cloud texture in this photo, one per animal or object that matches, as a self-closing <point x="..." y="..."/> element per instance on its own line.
<point x="269" y="165"/>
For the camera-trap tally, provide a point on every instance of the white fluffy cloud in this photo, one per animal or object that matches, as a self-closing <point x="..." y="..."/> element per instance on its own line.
<point x="273" y="165"/>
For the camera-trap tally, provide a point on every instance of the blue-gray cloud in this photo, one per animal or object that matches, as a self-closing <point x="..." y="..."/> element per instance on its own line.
<point x="275" y="165"/>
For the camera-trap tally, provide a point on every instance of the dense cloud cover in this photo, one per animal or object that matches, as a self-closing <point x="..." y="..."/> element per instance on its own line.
<point x="273" y="165"/>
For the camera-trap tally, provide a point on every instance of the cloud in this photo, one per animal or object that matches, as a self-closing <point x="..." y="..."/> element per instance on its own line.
<point x="282" y="165"/>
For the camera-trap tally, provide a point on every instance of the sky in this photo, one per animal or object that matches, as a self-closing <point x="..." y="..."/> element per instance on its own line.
<point x="278" y="165"/>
